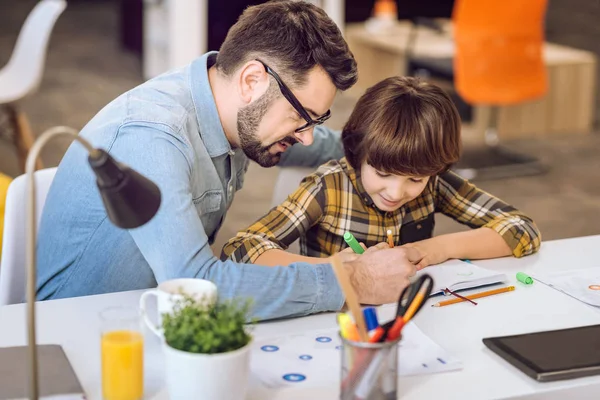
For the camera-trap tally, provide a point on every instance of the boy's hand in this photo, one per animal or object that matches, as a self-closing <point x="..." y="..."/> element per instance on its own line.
<point x="432" y="251"/>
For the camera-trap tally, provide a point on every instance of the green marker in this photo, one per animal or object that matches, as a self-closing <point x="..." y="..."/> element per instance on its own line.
<point x="351" y="240"/>
<point x="524" y="278"/>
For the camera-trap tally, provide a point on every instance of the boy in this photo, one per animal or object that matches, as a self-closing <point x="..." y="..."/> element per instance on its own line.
<point x="399" y="143"/>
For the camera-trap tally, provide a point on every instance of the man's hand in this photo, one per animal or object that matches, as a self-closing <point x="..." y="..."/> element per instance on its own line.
<point x="348" y="255"/>
<point x="432" y="252"/>
<point x="380" y="273"/>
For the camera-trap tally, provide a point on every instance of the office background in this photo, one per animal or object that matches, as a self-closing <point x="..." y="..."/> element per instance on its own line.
<point x="95" y="54"/>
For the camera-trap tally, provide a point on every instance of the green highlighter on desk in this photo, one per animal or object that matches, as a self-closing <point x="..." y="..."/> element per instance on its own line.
<point x="524" y="278"/>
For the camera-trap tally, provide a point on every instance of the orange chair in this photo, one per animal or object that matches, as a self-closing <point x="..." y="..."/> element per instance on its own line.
<point x="498" y="61"/>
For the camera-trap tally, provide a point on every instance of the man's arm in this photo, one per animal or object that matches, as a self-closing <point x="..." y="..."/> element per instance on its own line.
<point x="175" y="244"/>
<point x="327" y="145"/>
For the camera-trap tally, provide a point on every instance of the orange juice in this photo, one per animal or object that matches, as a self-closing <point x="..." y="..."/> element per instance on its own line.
<point x="122" y="365"/>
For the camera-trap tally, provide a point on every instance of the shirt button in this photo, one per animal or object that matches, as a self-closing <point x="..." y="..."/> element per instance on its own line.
<point x="419" y="226"/>
<point x="230" y="188"/>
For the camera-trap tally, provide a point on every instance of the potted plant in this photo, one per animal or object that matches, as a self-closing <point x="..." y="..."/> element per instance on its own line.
<point x="207" y="350"/>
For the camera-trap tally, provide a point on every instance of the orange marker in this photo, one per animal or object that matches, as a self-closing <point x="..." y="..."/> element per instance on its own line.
<point x="390" y="238"/>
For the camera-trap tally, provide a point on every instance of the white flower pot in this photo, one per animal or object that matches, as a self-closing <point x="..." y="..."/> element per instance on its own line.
<point x="221" y="376"/>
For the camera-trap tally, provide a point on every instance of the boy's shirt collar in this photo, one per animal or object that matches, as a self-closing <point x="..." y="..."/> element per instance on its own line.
<point x="355" y="178"/>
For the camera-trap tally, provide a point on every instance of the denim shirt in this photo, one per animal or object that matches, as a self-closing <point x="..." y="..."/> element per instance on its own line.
<point x="168" y="129"/>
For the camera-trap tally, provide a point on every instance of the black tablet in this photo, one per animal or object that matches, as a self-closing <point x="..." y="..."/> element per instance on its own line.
<point x="552" y="355"/>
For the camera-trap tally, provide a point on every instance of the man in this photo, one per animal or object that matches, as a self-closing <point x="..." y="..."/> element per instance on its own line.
<point x="192" y="131"/>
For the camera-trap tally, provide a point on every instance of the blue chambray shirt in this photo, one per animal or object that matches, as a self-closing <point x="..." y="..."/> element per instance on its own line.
<point x="168" y="129"/>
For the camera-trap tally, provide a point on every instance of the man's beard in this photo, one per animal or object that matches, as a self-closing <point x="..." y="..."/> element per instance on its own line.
<point x="248" y="120"/>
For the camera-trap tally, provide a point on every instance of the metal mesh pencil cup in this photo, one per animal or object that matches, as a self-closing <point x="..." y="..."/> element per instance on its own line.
<point x="369" y="370"/>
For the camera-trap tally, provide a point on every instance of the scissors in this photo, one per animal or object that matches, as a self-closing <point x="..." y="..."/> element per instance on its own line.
<point x="410" y="302"/>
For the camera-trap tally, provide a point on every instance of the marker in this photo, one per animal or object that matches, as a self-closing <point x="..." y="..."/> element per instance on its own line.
<point x="524" y="278"/>
<point x="390" y="238"/>
<point x="347" y="327"/>
<point x="351" y="240"/>
<point x="370" y="320"/>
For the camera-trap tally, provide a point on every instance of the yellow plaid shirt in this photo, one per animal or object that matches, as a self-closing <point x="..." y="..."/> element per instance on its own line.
<point x="332" y="201"/>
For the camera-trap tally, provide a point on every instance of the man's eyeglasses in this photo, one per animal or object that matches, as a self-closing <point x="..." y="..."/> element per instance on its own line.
<point x="287" y="93"/>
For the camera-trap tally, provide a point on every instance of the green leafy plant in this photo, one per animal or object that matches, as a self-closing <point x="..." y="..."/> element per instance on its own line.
<point x="196" y="328"/>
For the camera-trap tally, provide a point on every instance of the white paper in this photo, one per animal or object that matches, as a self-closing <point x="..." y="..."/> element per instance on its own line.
<point x="581" y="284"/>
<point x="459" y="275"/>
<point x="58" y="397"/>
<point x="313" y="359"/>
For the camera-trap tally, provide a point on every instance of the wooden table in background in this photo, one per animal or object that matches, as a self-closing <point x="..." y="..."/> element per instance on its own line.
<point x="568" y="107"/>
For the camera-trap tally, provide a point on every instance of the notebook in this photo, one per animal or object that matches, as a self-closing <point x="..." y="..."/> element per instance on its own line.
<point x="57" y="380"/>
<point x="459" y="275"/>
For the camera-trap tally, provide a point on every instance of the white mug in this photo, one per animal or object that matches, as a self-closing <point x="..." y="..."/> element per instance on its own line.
<point x="169" y="292"/>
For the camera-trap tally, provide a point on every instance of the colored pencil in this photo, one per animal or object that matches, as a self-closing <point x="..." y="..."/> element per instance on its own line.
<point x="475" y="296"/>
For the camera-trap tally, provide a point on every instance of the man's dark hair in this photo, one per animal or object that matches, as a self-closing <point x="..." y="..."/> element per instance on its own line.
<point x="292" y="37"/>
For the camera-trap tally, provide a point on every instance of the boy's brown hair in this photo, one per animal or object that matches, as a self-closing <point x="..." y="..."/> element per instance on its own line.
<point x="403" y="126"/>
<point x="292" y="37"/>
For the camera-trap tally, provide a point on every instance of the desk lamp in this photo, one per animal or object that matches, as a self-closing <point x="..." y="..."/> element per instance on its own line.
<point x="130" y="201"/>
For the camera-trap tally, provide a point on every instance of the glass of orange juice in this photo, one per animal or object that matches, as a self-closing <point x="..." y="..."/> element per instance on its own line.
<point x="122" y="348"/>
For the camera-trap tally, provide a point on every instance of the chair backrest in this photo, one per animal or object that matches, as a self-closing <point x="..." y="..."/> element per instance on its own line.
<point x="29" y="55"/>
<point x="499" y="50"/>
<point x="13" y="268"/>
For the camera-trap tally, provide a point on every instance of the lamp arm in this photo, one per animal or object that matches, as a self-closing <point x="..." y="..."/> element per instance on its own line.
<point x="32" y="157"/>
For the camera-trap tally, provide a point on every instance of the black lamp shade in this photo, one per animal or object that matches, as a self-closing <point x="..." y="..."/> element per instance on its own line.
<point x="130" y="199"/>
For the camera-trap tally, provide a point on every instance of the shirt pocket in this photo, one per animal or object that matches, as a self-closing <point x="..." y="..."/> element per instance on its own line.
<point x="209" y="202"/>
<point x="415" y="231"/>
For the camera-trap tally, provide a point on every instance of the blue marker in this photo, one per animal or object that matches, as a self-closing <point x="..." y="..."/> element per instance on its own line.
<point x="370" y="319"/>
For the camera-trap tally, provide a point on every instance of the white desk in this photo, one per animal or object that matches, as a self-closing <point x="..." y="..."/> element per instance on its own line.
<point x="74" y="324"/>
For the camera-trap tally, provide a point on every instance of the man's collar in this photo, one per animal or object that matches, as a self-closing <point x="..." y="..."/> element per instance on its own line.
<point x="209" y="123"/>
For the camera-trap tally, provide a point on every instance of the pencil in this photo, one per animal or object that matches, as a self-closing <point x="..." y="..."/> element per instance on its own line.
<point x="390" y="238"/>
<point x="475" y="296"/>
<point x="351" y="297"/>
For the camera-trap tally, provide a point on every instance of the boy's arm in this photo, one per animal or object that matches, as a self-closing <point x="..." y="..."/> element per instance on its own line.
<point x="264" y="241"/>
<point x="326" y="146"/>
<point x="499" y="229"/>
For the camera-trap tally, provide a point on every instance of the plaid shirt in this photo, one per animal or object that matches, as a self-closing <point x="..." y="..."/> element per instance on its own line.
<point x="332" y="201"/>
